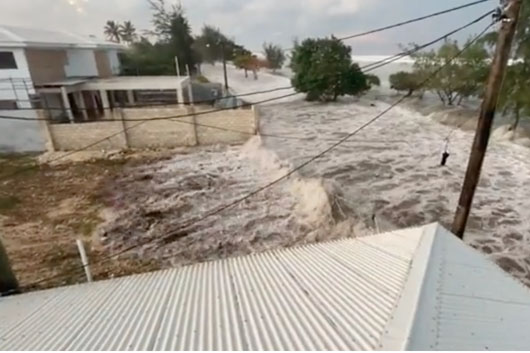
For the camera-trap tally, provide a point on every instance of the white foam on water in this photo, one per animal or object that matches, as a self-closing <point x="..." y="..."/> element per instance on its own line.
<point x="391" y="169"/>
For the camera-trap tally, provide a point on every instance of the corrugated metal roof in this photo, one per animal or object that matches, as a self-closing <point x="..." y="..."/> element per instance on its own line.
<point x="460" y="301"/>
<point x="414" y="288"/>
<point x="337" y="295"/>
<point x="13" y="36"/>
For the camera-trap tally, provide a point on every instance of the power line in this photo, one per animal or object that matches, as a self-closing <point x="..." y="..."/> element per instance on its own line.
<point x="417" y="19"/>
<point x="134" y="126"/>
<point x="414" y="20"/>
<point x="386" y="61"/>
<point x="175" y="233"/>
<point x="342" y="38"/>
<point x="158" y="104"/>
<point x="366" y="68"/>
<point x="175" y="117"/>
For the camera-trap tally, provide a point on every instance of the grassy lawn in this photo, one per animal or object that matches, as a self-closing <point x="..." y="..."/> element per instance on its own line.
<point x="44" y="209"/>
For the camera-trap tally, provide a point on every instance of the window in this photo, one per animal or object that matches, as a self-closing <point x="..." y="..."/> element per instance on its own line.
<point x="7" y="60"/>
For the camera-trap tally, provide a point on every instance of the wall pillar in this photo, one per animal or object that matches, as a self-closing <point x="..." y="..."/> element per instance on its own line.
<point x="66" y="104"/>
<point x="130" y="97"/>
<point x="112" y="99"/>
<point x="180" y="95"/>
<point x="80" y="99"/>
<point x="104" y="100"/>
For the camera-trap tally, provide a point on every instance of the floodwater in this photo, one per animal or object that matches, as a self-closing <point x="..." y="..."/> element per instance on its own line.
<point x="386" y="177"/>
<point x="391" y="170"/>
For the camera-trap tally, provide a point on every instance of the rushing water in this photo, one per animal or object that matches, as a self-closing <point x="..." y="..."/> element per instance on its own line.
<point x="389" y="171"/>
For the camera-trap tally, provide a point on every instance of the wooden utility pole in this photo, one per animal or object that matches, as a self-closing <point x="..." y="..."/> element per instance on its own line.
<point x="487" y="113"/>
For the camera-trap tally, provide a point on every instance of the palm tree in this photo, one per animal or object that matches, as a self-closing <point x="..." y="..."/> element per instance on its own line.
<point x="112" y="31"/>
<point x="128" y="32"/>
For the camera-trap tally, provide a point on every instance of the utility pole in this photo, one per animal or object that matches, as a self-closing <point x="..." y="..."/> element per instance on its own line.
<point x="509" y="20"/>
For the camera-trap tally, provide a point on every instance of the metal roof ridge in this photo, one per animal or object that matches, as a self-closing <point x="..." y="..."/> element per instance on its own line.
<point x="399" y="329"/>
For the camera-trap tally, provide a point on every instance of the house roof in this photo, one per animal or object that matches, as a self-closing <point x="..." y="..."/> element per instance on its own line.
<point x="20" y="37"/>
<point x="419" y="288"/>
<point x="136" y="83"/>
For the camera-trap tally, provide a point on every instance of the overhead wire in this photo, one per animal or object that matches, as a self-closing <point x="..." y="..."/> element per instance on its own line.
<point x="386" y="61"/>
<point x="417" y="19"/>
<point x="175" y="233"/>
<point x="140" y="122"/>
<point x="366" y="68"/>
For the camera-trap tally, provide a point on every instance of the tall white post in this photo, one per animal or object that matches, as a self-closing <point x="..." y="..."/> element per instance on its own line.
<point x="190" y="88"/>
<point x="177" y="65"/>
<point x="84" y="259"/>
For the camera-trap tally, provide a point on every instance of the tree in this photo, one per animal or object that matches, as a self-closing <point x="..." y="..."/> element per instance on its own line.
<point x="455" y="79"/>
<point x="210" y="43"/>
<point x="244" y="61"/>
<point x="274" y="55"/>
<point x="128" y="32"/>
<point x="324" y="70"/>
<point x="515" y="95"/>
<point x="145" y="58"/>
<point x="112" y="31"/>
<point x="173" y="29"/>
<point x="373" y="80"/>
<point x="405" y="81"/>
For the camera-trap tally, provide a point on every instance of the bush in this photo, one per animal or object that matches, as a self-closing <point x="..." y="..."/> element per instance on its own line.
<point x="275" y="55"/>
<point x="405" y="81"/>
<point x="324" y="70"/>
<point x="373" y="80"/>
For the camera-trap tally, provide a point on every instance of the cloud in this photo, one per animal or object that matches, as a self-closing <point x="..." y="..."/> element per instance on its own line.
<point x="252" y="22"/>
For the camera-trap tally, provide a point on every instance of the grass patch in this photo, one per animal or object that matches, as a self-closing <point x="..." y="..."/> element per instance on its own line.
<point x="16" y="164"/>
<point x="8" y="203"/>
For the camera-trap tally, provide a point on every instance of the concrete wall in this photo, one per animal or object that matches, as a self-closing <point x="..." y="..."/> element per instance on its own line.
<point x="238" y="120"/>
<point x="159" y="133"/>
<point x="156" y="133"/>
<point x="21" y="136"/>
<point x="81" y="62"/>
<point x="15" y="89"/>
<point x="68" y="137"/>
<point x="46" y="65"/>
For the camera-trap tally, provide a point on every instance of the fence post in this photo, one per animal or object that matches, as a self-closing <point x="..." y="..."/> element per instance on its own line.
<point x="192" y="107"/>
<point x="255" y="110"/>
<point x="48" y="132"/>
<point x="84" y="259"/>
<point x="124" y="126"/>
<point x="8" y="281"/>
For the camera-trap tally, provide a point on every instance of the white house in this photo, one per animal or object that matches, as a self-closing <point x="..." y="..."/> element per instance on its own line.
<point x="72" y="77"/>
<point x="30" y="58"/>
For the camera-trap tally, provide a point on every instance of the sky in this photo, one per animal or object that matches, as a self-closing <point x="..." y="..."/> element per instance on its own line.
<point x="252" y="22"/>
